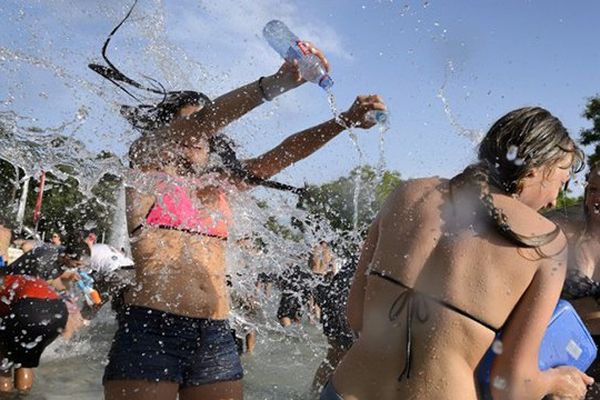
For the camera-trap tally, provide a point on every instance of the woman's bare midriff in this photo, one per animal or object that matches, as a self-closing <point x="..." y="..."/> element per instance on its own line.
<point x="180" y="273"/>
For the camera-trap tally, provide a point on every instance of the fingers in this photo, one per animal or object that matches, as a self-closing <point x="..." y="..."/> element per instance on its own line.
<point x="588" y="380"/>
<point x="317" y="52"/>
<point x="372" y="102"/>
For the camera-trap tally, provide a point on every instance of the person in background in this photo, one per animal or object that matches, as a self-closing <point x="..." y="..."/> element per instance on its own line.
<point x="32" y="312"/>
<point x="55" y="239"/>
<point x="331" y="296"/>
<point x="581" y="224"/>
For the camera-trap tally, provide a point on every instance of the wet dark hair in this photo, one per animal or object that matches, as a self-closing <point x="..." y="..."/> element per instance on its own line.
<point x="75" y="247"/>
<point x="148" y="118"/>
<point x="519" y="141"/>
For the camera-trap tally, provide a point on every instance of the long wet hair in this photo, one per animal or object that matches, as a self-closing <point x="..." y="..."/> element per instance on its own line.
<point x="519" y="141"/>
<point x="147" y="118"/>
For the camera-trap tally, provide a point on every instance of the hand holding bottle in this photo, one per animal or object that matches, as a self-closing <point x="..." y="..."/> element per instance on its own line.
<point x="289" y="75"/>
<point x="363" y="113"/>
<point x="308" y="60"/>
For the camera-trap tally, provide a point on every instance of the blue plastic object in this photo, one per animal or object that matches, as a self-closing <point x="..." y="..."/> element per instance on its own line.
<point x="566" y="342"/>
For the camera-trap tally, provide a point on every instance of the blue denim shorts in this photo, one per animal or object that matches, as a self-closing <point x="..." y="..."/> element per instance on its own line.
<point x="158" y="346"/>
<point x="329" y="393"/>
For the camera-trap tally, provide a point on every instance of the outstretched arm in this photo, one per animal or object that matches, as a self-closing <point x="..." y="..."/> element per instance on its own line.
<point x="515" y="373"/>
<point x="233" y="105"/>
<point x="304" y="143"/>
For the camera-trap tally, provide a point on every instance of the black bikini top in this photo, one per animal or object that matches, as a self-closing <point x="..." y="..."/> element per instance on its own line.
<point x="413" y="301"/>
<point x="578" y="285"/>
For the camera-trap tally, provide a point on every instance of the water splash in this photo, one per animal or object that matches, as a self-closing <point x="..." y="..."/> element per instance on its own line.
<point x="473" y="135"/>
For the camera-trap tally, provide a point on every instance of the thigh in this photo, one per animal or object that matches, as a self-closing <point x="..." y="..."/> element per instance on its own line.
<point x="231" y="390"/>
<point x="140" y="390"/>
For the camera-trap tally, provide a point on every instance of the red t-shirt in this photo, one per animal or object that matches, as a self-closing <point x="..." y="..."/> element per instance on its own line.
<point x="18" y="287"/>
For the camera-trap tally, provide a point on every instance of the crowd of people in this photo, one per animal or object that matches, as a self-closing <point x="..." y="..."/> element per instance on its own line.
<point x="445" y="266"/>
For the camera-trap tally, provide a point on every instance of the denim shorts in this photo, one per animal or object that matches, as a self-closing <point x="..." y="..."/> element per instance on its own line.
<point x="329" y="393"/>
<point x="158" y="346"/>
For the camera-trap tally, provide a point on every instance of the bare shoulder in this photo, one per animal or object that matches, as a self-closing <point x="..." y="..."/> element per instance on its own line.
<point x="528" y="222"/>
<point x="414" y="190"/>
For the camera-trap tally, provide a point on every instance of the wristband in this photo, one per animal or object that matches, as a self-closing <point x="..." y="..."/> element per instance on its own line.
<point x="263" y="94"/>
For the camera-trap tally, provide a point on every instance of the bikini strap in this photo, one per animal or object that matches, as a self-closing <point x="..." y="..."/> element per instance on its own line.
<point x="416" y="306"/>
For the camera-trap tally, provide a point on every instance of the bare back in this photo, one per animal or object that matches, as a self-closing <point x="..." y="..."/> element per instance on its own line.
<point x="436" y="246"/>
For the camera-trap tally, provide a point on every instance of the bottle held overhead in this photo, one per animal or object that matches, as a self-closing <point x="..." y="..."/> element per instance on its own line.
<point x="287" y="44"/>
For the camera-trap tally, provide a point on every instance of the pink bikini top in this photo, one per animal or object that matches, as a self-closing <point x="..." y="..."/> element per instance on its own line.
<point x="174" y="209"/>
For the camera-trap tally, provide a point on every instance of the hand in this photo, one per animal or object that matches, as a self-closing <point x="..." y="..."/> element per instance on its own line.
<point x="356" y="114"/>
<point x="571" y="384"/>
<point x="288" y="76"/>
<point x="70" y="276"/>
<point x="63" y="281"/>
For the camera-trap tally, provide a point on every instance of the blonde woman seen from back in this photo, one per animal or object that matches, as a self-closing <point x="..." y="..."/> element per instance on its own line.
<point x="448" y="263"/>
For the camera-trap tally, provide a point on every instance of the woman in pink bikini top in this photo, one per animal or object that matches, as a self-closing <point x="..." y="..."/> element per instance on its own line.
<point x="173" y="338"/>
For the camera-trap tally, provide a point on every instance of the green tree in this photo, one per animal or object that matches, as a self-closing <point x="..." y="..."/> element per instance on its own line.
<point x="335" y="201"/>
<point x="591" y="136"/>
<point x="564" y="200"/>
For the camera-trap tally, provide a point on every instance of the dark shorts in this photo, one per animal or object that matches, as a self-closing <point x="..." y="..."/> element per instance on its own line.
<point x="289" y="306"/>
<point x="29" y="327"/>
<point x="157" y="346"/>
<point x="329" y="393"/>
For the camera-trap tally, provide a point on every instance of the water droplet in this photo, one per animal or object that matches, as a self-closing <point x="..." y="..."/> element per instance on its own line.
<point x="497" y="346"/>
<point x="31" y="345"/>
<point x="511" y="154"/>
<point x="499" y="383"/>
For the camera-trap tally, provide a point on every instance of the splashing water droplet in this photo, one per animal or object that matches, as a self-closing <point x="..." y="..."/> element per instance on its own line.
<point x="499" y="383"/>
<point x="511" y="154"/>
<point x="497" y="346"/>
<point x="31" y="345"/>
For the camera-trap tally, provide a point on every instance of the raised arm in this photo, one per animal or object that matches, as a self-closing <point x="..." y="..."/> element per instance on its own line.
<point x="233" y="105"/>
<point x="515" y="373"/>
<point x="306" y="142"/>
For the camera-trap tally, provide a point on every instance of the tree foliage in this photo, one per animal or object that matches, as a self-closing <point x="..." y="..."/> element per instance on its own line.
<point x="335" y="201"/>
<point x="65" y="207"/>
<point x="591" y="136"/>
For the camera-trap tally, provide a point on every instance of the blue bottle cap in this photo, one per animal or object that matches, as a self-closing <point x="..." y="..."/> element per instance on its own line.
<point x="326" y="82"/>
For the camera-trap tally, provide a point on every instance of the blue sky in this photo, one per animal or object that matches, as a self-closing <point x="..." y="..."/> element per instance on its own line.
<point x="488" y="57"/>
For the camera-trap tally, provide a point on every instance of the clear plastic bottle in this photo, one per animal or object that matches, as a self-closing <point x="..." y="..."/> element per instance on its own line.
<point x="284" y="42"/>
<point x="380" y="117"/>
<point x="86" y="285"/>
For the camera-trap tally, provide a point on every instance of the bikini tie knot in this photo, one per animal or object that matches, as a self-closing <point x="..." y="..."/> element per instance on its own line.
<point x="416" y="306"/>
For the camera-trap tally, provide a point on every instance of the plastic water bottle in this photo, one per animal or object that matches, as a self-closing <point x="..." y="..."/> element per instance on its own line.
<point x="380" y="117"/>
<point x="86" y="285"/>
<point x="291" y="48"/>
